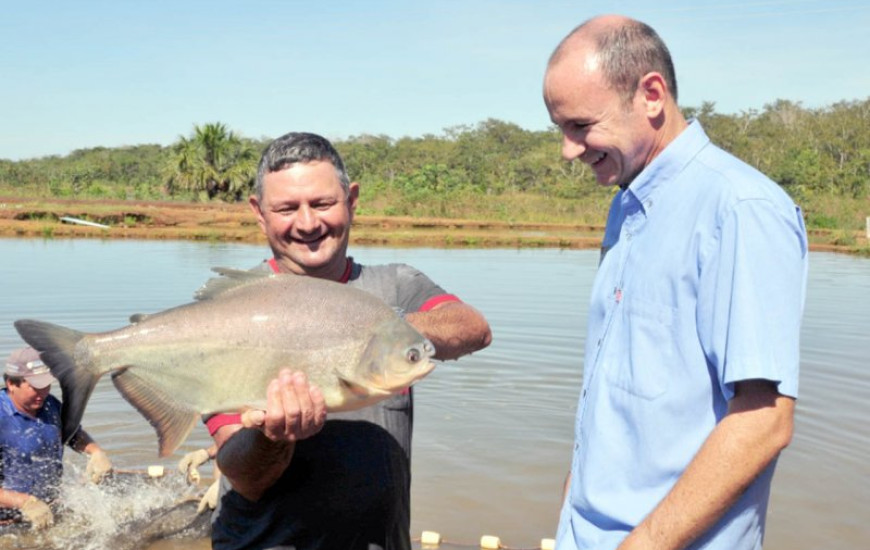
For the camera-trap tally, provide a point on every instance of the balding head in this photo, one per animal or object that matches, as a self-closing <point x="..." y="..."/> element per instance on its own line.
<point x="609" y="88"/>
<point x="622" y="49"/>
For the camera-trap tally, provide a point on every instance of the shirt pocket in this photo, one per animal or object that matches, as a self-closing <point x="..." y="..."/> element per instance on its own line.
<point x="644" y="350"/>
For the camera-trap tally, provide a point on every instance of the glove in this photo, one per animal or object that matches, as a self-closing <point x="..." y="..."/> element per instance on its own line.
<point x="210" y="498"/>
<point x="190" y="462"/>
<point x="37" y="513"/>
<point x="98" y="466"/>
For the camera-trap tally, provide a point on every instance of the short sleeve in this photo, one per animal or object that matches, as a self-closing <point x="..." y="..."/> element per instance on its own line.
<point x="751" y="296"/>
<point x="416" y="291"/>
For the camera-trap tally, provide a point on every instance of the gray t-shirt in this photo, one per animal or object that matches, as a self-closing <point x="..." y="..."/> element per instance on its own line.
<point x="349" y="486"/>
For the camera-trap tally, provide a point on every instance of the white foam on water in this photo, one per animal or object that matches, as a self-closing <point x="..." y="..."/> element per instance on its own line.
<point x="106" y="515"/>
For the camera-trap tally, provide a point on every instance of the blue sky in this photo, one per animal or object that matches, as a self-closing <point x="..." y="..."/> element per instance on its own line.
<point x="118" y="72"/>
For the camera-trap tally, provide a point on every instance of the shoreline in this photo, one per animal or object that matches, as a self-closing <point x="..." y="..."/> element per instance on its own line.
<point x="233" y="222"/>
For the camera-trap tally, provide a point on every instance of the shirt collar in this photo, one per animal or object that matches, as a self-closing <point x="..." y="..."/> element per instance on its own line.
<point x="670" y="162"/>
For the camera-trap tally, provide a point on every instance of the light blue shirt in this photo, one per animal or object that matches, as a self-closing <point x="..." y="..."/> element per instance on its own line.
<point x="701" y="285"/>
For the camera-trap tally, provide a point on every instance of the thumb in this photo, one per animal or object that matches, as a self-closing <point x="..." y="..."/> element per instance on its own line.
<point x="253" y="418"/>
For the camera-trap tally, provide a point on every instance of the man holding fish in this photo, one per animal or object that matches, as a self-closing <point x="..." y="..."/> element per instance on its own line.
<point x="294" y="477"/>
<point x="307" y="332"/>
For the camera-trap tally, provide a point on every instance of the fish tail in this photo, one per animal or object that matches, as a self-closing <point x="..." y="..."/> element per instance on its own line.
<point x="57" y="345"/>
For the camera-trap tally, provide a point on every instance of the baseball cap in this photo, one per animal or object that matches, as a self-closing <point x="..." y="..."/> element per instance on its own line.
<point x="25" y="362"/>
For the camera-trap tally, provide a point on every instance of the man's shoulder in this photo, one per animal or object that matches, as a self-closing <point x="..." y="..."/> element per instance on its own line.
<point x="398" y="284"/>
<point x="733" y="174"/>
<point x="5" y="403"/>
<point x="395" y="275"/>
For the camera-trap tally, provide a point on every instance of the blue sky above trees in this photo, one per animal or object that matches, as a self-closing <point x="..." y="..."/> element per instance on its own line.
<point x="103" y="73"/>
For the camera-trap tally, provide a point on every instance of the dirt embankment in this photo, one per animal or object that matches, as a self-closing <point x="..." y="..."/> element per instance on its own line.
<point x="235" y="222"/>
<point x="62" y="218"/>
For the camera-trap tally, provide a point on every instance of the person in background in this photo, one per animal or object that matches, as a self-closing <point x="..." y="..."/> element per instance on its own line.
<point x="291" y="477"/>
<point x="31" y="450"/>
<point x="691" y="365"/>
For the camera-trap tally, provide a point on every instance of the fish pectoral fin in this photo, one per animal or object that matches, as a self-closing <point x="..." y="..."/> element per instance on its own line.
<point x="172" y="419"/>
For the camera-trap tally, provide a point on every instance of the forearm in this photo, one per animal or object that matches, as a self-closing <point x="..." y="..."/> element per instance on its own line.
<point x="455" y="329"/>
<point x="757" y="427"/>
<point x="254" y="457"/>
<point x="82" y="442"/>
<point x="12" y="499"/>
<point x="252" y="462"/>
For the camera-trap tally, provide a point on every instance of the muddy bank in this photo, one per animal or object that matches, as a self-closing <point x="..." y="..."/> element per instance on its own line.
<point x="234" y="222"/>
<point x="36" y="218"/>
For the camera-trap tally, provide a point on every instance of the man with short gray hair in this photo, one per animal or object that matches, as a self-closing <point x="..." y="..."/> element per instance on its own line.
<point x="291" y="477"/>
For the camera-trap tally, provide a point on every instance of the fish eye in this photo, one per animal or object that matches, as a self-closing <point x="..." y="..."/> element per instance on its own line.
<point x="413" y="355"/>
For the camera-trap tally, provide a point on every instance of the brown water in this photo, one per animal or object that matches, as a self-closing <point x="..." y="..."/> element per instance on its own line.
<point x="493" y="431"/>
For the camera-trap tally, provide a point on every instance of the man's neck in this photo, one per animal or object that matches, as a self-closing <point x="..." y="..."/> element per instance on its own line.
<point x="337" y="271"/>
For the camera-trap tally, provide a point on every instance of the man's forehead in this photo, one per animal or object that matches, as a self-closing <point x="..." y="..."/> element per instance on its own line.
<point x="572" y="79"/>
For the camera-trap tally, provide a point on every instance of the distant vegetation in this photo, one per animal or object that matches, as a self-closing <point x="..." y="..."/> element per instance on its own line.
<point x="492" y="170"/>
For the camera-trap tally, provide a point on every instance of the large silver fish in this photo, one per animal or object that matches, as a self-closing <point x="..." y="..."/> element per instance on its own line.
<point x="219" y="353"/>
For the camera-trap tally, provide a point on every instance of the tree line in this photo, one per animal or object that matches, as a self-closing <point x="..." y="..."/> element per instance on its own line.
<point x="494" y="169"/>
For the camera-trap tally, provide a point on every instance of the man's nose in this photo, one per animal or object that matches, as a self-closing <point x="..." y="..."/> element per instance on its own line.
<point x="572" y="148"/>
<point x="306" y="219"/>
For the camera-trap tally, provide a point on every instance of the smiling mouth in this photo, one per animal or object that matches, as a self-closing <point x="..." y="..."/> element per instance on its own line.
<point x="598" y="160"/>
<point x="310" y="242"/>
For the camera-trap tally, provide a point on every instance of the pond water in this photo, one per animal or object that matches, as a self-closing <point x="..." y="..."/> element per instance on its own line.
<point x="493" y="431"/>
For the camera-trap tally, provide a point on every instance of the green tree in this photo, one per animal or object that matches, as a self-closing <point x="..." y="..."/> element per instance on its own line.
<point x="214" y="161"/>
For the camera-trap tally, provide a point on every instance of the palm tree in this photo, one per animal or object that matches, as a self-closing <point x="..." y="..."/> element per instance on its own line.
<point x="213" y="160"/>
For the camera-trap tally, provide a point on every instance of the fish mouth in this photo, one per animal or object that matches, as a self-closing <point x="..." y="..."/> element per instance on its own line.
<point x="391" y="383"/>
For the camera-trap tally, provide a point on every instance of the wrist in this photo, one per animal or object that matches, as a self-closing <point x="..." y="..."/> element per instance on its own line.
<point x="26" y="500"/>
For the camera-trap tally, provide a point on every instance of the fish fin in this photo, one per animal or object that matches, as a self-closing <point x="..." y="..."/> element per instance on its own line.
<point x="172" y="419"/>
<point x="229" y="279"/>
<point x="138" y="317"/>
<point x="56" y="345"/>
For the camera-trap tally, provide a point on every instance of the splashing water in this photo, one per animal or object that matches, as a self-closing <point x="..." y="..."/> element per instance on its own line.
<point x="125" y="512"/>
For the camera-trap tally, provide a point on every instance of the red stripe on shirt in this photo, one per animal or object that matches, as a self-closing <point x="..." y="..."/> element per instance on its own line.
<point x="220" y="420"/>
<point x="434" y="301"/>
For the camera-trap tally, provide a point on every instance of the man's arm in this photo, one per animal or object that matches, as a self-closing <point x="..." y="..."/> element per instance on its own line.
<point x="12" y="499"/>
<point x="33" y="510"/>
<point x="758" y="426"/>
<point x="254" y="454"/>
<point x="454" y="328"/>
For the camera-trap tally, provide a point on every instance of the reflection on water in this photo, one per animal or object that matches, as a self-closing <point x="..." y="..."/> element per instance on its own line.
<point x="493" y="431"/>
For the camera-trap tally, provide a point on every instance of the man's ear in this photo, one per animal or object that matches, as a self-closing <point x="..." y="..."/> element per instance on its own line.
<point x="654" y="91"/>
<point x="255" y="207"/>
<point x="353" y="196"/>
